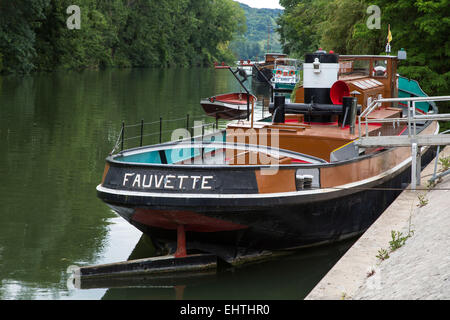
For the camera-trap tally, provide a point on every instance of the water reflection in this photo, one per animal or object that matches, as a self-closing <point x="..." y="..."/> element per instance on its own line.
<point x="55" y="132"/>
<point x="289" y="277"/>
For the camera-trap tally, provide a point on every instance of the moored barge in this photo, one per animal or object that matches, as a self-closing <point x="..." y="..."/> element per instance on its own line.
<point x="290" y="181"/>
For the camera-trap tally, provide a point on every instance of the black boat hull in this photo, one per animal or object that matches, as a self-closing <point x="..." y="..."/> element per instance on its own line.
<point x="238" y="224"/>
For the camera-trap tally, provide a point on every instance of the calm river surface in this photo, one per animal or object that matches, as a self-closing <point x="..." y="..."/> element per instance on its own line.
<point x="55" y="132"/>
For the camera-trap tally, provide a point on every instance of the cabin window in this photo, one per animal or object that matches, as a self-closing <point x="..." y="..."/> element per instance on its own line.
<point x="379" y="69"/>
<point x="355" y="68"/>
<point x="345" y="67"/>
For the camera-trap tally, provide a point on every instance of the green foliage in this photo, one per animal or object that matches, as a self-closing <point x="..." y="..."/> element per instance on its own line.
<point x="297" y="85"/>
<point x="122" y="33"/>
<point x="398" y="240"/>
<point x="383" y="254"/>
<point x="420" y="26"/>
<point x="253" y="43"/>
<point x="18" y="19"/>
<point x="299" y="26"/>
<point x="423" y="201"/>
<point x="445" y="163"/>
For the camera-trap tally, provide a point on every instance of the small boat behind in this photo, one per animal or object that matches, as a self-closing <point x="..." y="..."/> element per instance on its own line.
<point x="262" y="71"/>
<point x="286" y="74"/>
<point x="228" y="106"/>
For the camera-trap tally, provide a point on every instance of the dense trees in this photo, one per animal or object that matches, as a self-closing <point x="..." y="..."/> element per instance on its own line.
<point x="253" y="43"/>
<point x="140" y="33"/>
<point x="422" y="27"/>
<point x="124" y="33"/>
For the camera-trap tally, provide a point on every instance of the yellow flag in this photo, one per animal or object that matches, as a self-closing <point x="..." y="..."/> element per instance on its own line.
<point x="389" y="37"/>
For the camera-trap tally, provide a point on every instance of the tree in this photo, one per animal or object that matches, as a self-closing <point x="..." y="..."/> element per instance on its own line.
<point x="419" y="26"/>
<point x="123" y="33"/>
<point x="18" y="18"/>
<point x="299" y="26"/>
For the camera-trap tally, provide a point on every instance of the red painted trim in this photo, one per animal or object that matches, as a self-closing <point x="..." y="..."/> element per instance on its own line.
<point x="404" y="129"/>
<point x="323" y="123"/>
<point x="191" y="221"/>
<point x="299" y="161"/>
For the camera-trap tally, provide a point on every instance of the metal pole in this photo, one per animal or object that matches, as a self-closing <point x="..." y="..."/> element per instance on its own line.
<point x="240" y="82"/>
<point x="187" y="122"/>
<point x="353" y="115"/>
<point x="418" y="166"/>
<point x="409" y="119"/>
<point x="413" y="118"/>
<point x="203" y="148"/>
<point x="160" y="129"/>
<point x="413" y="166"/>
<point x="359" y="126"/>
<point x="367" y="126"/>
<point x="142" y="130"/>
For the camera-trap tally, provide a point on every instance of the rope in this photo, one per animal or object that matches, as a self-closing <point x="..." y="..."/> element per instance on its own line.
<point x="173" y="120"/>
<point x="117" y="142"/>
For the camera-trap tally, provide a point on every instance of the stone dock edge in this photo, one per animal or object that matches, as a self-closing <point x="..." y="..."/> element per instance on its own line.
<point x="351" y="274"/>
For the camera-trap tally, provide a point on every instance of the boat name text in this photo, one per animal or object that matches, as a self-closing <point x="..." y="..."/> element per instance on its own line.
<point x="168" y="182"/>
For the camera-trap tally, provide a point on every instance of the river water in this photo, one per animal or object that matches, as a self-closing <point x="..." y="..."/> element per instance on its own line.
<point x="55" y="131"/>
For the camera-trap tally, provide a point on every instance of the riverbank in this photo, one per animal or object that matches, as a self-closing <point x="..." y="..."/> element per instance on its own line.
<point x="419" y="269"/>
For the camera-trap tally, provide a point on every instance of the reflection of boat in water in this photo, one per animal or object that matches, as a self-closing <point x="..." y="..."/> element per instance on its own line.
<point x="228" y="106"/>
<point x="286" y="74"/>
<point x="297" y="274"/>
<point x="296" y="180"/>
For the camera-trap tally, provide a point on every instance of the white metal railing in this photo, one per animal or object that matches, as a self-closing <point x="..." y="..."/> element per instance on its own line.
<point x="411" y="117"/>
